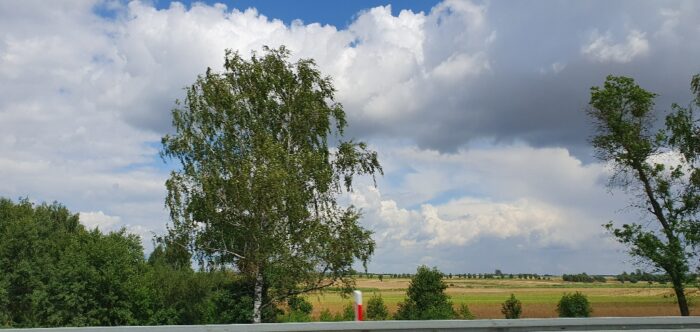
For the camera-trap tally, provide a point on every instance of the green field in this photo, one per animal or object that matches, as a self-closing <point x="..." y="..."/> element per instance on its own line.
<point x="539" y="297"/>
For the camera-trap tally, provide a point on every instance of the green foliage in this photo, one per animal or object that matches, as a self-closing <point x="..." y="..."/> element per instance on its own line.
<point x="54" y="272"/>
<point x="660" y="167"/>
<point x="179" y="296"/>
<point x="57" y="273"/>
<point x="327" y="316"/>
<point x="233" y="301"/>
<point x="259" y="176"/>
<point x="574" y="305"/>
<point x="376" y="309"/>
<point x="463" y="312"/>
<point x="426" y="298"/>
<point x="348" y="312"/>
<point x="299" y="310"/>
<point x="512" y="308"/>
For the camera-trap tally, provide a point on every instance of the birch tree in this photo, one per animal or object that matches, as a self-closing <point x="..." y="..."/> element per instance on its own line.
<point x="259" y="179"/>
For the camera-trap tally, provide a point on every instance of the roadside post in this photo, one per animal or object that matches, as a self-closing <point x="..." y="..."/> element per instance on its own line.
<point x="358" y="305"/>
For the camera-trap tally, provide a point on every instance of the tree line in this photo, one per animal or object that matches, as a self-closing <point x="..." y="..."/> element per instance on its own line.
<point x="639" y="275"/>
<point x="583" y="277"/>
<point x="524" y="276"/>
<point x="54" y="272"/>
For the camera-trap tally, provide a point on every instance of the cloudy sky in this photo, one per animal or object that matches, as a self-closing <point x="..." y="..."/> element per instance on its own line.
<point x="477" y="110"/>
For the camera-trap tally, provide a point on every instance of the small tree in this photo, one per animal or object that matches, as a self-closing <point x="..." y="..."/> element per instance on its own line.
<point x="574" y="305"/>
<point x="512" y="308"/>
<point x="376" y="309"/>
<point x="426" y="297"/>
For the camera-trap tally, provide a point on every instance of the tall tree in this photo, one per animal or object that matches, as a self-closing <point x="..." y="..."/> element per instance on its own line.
<point x="258" y="185"/>
<point x="660" y="167"/>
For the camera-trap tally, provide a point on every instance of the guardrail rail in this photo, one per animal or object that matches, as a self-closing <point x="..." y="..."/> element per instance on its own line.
<point x="552" y="324"/>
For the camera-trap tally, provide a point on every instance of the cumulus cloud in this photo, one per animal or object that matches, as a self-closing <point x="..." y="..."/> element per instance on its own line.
<point x="460" y="221"/>
<point x="98" y="220"/>
<point x="486" y="102"/>
<point x="604" y="49"/>
<point x="527" y="201"/>
<point x="465" y="70"/>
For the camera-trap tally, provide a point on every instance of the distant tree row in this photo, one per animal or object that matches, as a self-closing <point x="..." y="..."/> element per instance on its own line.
<point x="532" y="276"/>
<point x="583" y="277"/>
<point x="640" y="275"/>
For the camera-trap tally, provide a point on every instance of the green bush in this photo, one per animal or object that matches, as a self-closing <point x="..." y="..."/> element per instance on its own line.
<point x="512" y="308"/>
<point x="426" y="297"/>
<point x="574" y="305"/>
<point x="463" y="312"/>
<point x="376" y="309"/>
<point x="348" y="312"/>
<point x="299" y="310"/>
<point x="327" y="316"/>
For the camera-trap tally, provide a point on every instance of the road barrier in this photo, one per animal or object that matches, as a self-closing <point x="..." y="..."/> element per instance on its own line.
<point x="554" y="324"/>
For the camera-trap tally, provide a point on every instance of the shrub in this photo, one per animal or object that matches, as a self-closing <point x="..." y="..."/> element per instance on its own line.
<point x="426" y="298"/>
<point x="348" y="312"/>
<point x="512" y="308"/>
<point x="574" y="305"/>
<point x="299" y="310"/>
<point x="463" y="312"/>
<point x="376" y="309"/>
<point x="327" y="316"/>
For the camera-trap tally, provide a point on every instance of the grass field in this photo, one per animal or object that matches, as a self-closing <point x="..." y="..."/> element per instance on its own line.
<point x="539" y="297"/>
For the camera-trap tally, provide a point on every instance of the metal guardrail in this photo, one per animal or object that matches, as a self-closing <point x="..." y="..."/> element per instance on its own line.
<point x="553" y="324"/>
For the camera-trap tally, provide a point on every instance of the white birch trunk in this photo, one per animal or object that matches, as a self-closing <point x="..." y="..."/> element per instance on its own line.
<point x="257" y="304"/>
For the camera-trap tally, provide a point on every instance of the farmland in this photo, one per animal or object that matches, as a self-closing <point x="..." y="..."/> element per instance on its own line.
<point x="539" y="297"/>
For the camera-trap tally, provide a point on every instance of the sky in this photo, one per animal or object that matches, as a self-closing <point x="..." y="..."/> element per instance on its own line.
<point x="476" y="108"/>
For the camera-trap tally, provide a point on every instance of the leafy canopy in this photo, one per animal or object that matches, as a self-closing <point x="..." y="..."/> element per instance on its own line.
<point x="426" y="298"/>
<point x="259" y="179"/>
<point x="659" y="166"/>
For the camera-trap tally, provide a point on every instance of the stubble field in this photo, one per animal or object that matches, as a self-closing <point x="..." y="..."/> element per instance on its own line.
<point x="539" y="297"/>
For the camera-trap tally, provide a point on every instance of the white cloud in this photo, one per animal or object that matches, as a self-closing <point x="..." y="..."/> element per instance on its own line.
<point x="466" y="219"/>
<point x="532" y="199"/>
<point x="99" y="220"/>
<point x="84" y="101"/>
<point x="603" y="48"/>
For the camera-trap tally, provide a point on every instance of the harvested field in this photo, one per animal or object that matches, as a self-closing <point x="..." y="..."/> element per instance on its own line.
<point x="539" y="297"/>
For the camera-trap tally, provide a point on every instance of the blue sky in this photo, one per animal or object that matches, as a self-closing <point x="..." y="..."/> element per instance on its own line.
<point x="477" y="110"/>
<point x="336" y="13"/>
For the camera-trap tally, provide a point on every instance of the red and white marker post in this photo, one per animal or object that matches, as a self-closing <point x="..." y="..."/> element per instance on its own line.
<point x="358" y="305"/>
